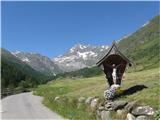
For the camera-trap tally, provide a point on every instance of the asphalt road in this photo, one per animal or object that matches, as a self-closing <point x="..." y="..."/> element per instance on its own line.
<point x="26" y="106"/>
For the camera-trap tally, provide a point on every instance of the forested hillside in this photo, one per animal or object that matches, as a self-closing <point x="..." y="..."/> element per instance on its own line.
<point x="15" y="73"/>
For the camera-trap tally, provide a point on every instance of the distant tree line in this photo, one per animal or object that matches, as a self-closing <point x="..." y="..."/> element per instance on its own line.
<point x="12" y="77"/>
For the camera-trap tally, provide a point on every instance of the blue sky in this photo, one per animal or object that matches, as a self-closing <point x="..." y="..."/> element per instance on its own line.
<point x="51" y="28"/>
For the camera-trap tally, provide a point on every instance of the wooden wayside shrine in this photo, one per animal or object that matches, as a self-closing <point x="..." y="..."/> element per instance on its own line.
<point x="114" y="56"/>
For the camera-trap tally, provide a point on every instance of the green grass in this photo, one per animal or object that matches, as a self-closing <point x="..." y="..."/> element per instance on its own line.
<point x="72" y="89"/>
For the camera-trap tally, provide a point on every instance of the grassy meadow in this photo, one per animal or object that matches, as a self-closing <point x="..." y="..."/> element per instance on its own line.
<point x="73" y="88"/>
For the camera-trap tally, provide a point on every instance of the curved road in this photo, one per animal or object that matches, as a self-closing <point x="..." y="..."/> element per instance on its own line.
<point x="26" y="106"/>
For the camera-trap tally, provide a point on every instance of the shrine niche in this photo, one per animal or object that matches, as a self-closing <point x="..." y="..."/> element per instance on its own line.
<point x="114" y="63"/>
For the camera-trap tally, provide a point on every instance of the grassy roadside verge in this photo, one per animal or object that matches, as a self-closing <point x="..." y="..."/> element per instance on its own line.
<point x="71" y="90"/>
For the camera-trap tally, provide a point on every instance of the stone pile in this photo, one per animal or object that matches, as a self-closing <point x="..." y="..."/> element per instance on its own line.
<point x="129" y="110"/>
<point x="122" y="109"/>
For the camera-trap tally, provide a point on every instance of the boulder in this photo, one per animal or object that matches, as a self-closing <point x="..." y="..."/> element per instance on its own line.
<point x="130" y="117"/>
<point x="94" y="103"/>
<point x="88" y="100"/>
<point x="121" y="112"/>
<point x="98" y="113"/>
<point x="142" y="117"/>
<point x="108" y="106"/>
<point x="100" y="108"/>
<point x="105" y="115"/>
<point x="143" y="110"/>
<point x="81" y="99"/>
<point x="56" y="98"/>
<point x="60" y="99"/>
<point x="118" y="104"/>
<point x="130" y="106"/>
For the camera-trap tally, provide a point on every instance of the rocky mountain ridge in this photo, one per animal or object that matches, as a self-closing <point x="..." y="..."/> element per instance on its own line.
<point x="80" y="56"/>
<point x="38" y="62"/>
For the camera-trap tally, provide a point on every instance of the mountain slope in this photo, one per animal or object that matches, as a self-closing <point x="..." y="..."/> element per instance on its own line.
<point x="79" y="56"/>
<point x="14" y="72"/>
<point x="143" y="45"/>
<point x="38" y="62"/>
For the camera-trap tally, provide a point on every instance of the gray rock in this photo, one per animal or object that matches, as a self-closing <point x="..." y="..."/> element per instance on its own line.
<point x="130" y="106"/>
<point x="142" y="117"/>
<point x="98" y="113"/>
<point x="109" y="109"/>
<point x="121" y="112"/>
<point x="101" y="108"/>
<point x="94" y="103"/>
<point x="118" y="104"/>
<point x="88" y="100"/>
<point x="143" y="110"/>
<point x="56" y="98"/>
<point x="105" y="115"/>
<point x="108" y="104"/>
<point x="81" y="99"/>
<point x="60" y="99"/>
<point x="130" y="117"/>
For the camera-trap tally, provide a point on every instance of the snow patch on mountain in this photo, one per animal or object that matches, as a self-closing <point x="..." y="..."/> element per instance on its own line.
<point x="65" y="58"/>
<point x="106" y="47"/>
<point x="71" y="50"/>
<point x="145" y="24"/>
<point x="15" y="53"/>
<point x="84" y="55"/>
<point x="25" y="59"/>
<point x="82" y="46"/>
<point x="80" y="56"/>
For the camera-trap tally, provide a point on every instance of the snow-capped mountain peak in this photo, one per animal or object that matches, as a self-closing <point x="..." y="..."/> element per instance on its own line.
<point x="80" y="56"/>
<point x="77" y="57"/>
<point x="77" y="47"/>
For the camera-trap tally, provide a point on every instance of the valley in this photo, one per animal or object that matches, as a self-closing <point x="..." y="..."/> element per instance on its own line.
<point x="74" y="74"/>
